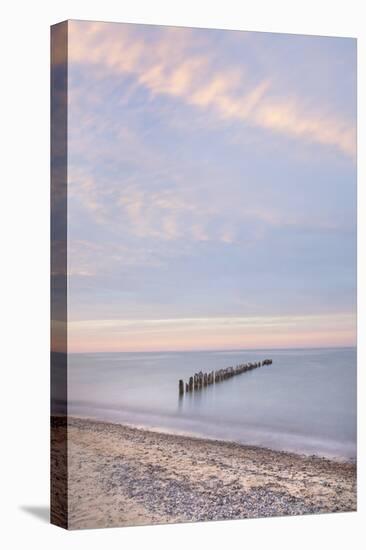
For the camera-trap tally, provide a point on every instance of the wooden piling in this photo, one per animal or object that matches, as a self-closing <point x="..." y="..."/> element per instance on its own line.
<point x="200" y="379"/>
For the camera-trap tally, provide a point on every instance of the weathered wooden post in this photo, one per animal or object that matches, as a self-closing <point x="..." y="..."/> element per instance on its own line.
<point x="200" y="379"/>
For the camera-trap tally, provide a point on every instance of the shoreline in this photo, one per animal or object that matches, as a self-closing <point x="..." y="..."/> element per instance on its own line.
<point x="120" y="475"/>
<point x="203" y="438"/>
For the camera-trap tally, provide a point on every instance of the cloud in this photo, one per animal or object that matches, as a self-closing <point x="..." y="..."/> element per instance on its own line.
<point x="206" y="323"/>
<point x="136" y="213"/>
<point x="91" y="259"/>
<point x="211" y="332"/>
<point x="166" y="62"/>
<point x="286" y="117"/>
<point x="184" y="204"/>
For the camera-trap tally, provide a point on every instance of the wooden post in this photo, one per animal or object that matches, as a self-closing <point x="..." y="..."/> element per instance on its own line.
<point x="200" y="379"/>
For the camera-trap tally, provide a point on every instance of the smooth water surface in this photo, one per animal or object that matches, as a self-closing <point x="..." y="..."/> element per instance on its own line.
<point x="304" y="402"/>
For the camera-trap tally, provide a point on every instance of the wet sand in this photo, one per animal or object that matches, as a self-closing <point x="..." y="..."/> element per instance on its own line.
<point x="121" y="476"/>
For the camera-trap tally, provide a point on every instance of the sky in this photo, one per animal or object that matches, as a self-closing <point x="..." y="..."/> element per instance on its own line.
<point x="211" y="189"/>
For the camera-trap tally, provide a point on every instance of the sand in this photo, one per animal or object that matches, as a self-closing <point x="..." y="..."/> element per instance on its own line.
<point x="119" y="476"/>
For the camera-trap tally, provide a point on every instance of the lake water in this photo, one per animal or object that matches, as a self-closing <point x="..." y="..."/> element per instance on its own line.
<point x="304" y="402"/>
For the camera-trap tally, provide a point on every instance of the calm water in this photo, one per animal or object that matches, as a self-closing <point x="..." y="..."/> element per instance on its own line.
<point x="304" y="402"/>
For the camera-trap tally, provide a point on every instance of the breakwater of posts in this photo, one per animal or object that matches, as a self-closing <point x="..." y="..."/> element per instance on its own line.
<point x="201" y="379"/>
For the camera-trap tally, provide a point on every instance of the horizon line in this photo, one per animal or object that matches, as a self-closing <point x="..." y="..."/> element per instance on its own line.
<point x="211" y="349"/>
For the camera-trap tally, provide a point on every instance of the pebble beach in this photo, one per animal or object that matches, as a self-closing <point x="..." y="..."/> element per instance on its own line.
<point x="122" y="476"/>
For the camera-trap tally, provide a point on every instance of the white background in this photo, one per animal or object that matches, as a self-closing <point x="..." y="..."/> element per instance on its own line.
<point x="24" y="207"/>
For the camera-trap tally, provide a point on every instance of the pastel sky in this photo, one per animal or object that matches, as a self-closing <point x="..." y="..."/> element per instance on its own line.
<point x="211" y="189"/>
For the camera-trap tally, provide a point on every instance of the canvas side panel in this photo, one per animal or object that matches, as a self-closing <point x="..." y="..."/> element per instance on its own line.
<point x="59" y="497"/>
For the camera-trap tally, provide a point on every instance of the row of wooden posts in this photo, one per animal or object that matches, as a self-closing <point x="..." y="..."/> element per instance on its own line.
<point x="203" y="379"/>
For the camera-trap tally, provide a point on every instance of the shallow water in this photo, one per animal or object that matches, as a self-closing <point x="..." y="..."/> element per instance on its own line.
<point x="304" y="402"/>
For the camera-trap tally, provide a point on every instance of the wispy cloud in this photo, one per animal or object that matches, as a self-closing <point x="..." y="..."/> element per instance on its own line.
<point x="211" y="196"/>
<point x="168" y="64"/>
<point x="211" y="332"/>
